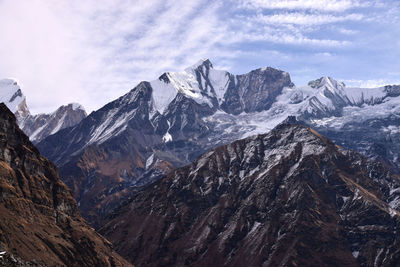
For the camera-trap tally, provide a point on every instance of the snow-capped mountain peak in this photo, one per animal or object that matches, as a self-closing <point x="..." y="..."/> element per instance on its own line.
<point x="220" y="90"/>
<point x="12" y="96"/>
<point x="326" y="81"/>
<point x="200" y="82"/>
<point x="202" y="63"/>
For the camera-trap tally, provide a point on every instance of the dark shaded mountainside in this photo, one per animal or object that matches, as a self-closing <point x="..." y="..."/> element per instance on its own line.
<point x="40" y="224"/>
<point x="287" y="198"/>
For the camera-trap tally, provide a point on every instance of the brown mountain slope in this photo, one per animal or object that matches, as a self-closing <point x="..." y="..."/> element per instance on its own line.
<point x="287" y="198"/>
<point x="40" y="222"/>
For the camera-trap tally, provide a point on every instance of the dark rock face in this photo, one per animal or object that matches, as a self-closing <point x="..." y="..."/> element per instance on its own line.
<point x="40" y="223"/>
<point x="255" y="91"/>
<point x="287" y="198"/>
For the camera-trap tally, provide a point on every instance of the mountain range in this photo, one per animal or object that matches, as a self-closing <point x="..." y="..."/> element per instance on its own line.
<point x="168" y="122"/>
<point x="204" y="167"/>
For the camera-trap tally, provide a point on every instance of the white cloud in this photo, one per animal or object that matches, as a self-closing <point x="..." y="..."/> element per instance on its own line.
<point x="291" y="39"/>
<point x="372" y="83"/>
<point x="345" y="31"/>
<point x="321" y="5"/>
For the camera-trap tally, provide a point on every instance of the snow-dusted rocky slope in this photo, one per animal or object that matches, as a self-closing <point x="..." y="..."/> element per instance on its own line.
<point x="168" y="122"/>
<point x="38" y="126"/>
<point x="287" y="198"/>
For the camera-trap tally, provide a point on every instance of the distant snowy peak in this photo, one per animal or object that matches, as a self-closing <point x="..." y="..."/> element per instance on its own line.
<point x="11" y="94"/>
<point x="326" y="81"/>
<point x="353" y="96"/>
<point x="202" y="63"/>
<point x="218" y="89"/>
<point x="327" y="97"/>
<point x="200" y="82"/>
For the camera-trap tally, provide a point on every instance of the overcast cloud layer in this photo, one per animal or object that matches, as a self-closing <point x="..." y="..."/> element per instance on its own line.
<point x="92" y="52"/>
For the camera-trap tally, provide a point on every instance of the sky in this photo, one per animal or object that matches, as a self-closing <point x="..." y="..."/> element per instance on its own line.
<point x="93" y="51"/>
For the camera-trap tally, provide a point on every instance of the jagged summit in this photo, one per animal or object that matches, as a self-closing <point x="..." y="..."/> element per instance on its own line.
<point x="325" y="81"/>
<point x="219" y="89"/>
<point x="200" y="64"/>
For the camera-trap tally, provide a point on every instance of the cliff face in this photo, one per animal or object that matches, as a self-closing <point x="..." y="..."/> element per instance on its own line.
<point x="287" y="198"/>
<point x="40" y="222"/>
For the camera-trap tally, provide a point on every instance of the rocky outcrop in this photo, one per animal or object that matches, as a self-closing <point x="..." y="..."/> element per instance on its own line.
<point x="287" y="198"/>
<point x="40" y="224"/>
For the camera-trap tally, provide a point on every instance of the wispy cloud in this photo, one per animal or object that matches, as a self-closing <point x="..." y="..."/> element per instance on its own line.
<point x="102" y="49"/>
<point x="281" y="37"/>
<point x="300" y="18"/>
<point x="321" y="5"/>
